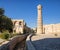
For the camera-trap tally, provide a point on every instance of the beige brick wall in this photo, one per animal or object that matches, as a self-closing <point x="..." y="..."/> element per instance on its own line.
<point x="51" y="28"/>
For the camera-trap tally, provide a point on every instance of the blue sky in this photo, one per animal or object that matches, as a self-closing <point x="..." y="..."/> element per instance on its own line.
<point x="27" y="10"/>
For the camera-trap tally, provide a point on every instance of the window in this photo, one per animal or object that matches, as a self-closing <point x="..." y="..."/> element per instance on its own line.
<point x="20" y="23"/>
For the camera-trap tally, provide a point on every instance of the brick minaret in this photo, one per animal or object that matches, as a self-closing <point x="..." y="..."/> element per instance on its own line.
<point x="39" y="20"/>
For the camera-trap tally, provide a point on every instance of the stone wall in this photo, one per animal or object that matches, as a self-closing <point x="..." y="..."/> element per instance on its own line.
<point x="17" y="43"/>
<point x="51" y="28"/>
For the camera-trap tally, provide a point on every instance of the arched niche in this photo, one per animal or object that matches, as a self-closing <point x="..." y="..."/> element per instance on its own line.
<point x="20" y="22"/>
<point x="15" y="22"/>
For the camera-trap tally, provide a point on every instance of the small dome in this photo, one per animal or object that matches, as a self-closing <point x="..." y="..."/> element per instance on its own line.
<point x="39" y="5"/>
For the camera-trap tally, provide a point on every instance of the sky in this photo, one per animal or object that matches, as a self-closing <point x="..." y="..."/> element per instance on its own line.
<point x="27" y="10"/>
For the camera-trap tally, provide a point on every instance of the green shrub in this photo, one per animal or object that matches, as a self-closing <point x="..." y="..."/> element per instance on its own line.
<point x="5" y="35"/>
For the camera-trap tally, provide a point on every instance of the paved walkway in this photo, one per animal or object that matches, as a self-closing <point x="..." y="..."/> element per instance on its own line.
<point x="29" y="44"/>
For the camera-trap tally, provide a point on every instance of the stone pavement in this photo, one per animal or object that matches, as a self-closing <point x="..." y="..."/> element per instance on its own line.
<point x="46" y="42"/>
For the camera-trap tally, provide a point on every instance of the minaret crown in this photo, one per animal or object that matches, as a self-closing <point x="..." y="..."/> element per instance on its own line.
<point x="39" y="7"/>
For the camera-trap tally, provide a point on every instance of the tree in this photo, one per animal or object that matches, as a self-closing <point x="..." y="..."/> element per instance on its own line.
<point x="5" y="22"/>
<point x="1" y="11"/>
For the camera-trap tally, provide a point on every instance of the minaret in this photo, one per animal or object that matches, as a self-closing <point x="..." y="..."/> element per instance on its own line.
<point x="39" y="20"/>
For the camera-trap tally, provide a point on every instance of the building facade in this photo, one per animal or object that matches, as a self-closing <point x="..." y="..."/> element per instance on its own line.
<point x="18" y="26"/>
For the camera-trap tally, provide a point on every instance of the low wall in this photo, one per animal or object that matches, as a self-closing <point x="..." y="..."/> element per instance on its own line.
<point x="17" y="43"/>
